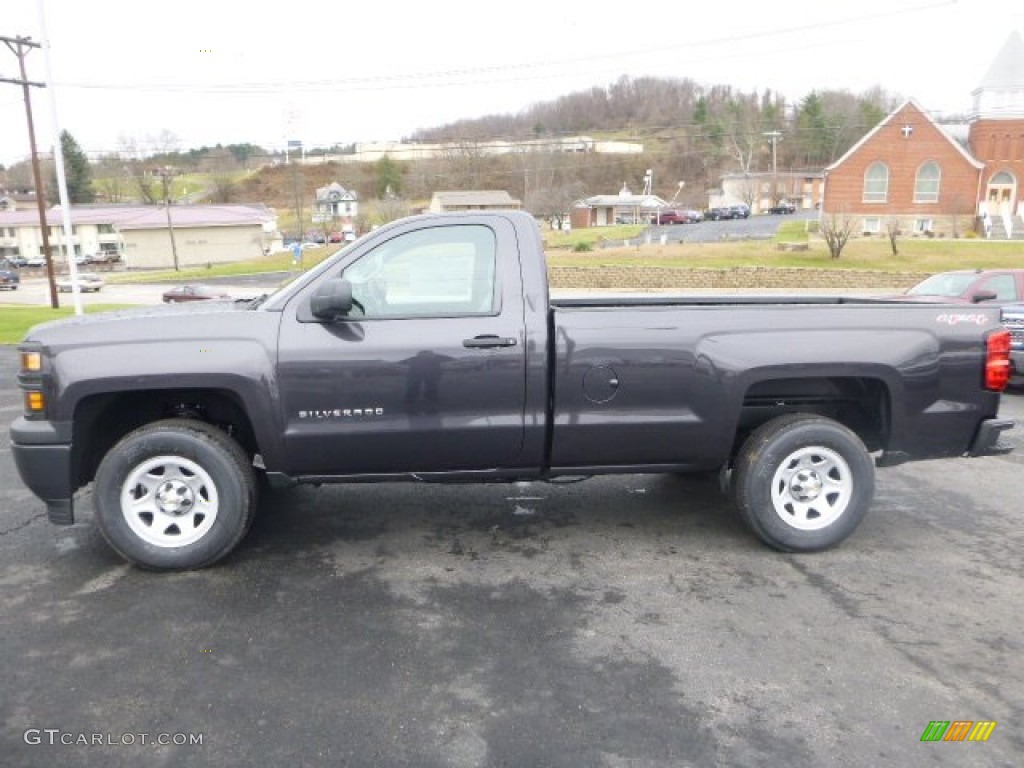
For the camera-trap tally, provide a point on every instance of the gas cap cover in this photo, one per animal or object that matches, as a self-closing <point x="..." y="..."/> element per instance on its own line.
<point x="600" y="384"/>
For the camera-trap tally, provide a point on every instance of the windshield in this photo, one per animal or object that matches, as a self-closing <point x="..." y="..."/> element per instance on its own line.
<point x="949" y="284"/>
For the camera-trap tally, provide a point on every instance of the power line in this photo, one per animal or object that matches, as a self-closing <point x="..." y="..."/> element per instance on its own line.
<point x="417" y="79"/>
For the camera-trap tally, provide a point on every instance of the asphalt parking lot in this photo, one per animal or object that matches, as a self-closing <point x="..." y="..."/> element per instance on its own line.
<point x="756" y="227"/>
<point x="622" y="622"/>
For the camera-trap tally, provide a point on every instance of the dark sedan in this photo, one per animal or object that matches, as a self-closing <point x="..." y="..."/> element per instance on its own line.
<point x="192" y="293"/>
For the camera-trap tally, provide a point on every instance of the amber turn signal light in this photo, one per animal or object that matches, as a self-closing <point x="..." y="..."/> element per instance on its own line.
<point x="34" y="402"/>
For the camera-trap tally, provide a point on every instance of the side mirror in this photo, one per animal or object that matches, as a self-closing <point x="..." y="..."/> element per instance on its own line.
<point x="333" y="298"/>
<point x="984" y="296"/>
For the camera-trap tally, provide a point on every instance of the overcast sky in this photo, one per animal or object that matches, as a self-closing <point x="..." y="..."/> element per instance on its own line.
<point x="333" y="72"/>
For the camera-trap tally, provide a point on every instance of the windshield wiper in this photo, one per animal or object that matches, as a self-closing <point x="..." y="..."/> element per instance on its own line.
<point x="254" y="303"/>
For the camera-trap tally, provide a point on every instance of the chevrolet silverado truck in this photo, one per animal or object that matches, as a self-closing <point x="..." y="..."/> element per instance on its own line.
<point x="429" y="350"/>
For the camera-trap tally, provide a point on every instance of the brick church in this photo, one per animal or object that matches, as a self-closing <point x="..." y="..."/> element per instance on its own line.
<point x="931" y="179"/>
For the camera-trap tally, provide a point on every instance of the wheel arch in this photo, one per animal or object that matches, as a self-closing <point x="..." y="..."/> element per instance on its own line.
<point x="101" y="420"/>
<point x="863" y="404"/>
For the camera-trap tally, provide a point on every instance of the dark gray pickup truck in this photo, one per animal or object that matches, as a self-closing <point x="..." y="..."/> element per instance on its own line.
<point x="429" y="350"/>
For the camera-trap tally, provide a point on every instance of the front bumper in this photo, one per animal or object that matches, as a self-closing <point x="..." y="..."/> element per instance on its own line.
<point x="986" y="442"/>
<point x="42" y="454"/>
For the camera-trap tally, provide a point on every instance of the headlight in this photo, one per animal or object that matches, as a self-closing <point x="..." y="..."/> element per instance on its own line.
<point x="31" y="362"/>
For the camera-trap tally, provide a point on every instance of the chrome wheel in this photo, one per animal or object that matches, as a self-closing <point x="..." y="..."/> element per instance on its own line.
<point x="169" y="501"/>
<point x="811" y="488"/>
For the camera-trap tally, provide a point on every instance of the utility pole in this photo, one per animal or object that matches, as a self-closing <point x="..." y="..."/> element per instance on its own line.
<point x="166" y="174"/>
<point x="20" y="47"/>
<point x="774" y="136"/>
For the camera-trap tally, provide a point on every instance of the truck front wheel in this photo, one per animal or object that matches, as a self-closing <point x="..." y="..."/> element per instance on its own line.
<point x="174" y="495"/>
<point x="803" y="483"/>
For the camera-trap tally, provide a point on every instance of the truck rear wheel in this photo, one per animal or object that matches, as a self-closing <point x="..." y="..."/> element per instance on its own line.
<point x="803" y="483"/>
<point x="174" y="495"/>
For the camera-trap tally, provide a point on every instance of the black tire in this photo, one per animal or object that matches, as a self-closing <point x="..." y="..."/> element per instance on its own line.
<point x="803" y="483"/>
<point x="200" y="501"/>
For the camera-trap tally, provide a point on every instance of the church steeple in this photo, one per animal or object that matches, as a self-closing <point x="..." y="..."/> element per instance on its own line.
<point x="1001" y="92"/>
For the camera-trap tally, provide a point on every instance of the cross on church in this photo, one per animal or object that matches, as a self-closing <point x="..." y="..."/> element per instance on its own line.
<point x="906" y="130"/>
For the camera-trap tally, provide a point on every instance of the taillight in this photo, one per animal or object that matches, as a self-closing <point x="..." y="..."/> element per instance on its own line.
<point x="997" y="360"/>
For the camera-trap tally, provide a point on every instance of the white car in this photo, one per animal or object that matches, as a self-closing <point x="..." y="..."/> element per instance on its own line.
<point x="86" y="282"/>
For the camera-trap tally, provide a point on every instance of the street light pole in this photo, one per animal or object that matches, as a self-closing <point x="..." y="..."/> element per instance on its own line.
<point x="648" y="186"/>
<point x="774" y="136"/>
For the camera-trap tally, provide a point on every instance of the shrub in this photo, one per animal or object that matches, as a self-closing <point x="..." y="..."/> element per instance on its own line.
<point x="583" y="247"/>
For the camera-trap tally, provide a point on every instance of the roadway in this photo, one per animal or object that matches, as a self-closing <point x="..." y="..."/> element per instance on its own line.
<point x="622" y="621"/>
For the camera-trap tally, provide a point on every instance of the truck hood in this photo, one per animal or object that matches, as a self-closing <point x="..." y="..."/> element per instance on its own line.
<point x="153" y="325"/>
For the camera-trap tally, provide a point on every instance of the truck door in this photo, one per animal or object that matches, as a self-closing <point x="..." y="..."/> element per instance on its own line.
<point x="427" y="373"/>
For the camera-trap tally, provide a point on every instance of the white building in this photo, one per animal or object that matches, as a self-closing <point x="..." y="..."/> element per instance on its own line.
<point x="334" y="203"/>
<point x="140" y="236"/>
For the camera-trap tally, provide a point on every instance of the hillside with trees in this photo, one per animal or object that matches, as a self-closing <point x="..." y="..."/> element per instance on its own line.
<point x="689" y="132"/>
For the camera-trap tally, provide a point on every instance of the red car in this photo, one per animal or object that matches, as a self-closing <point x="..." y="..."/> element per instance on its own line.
<point x="192" y="293"/>
<point x="971" y="286"/>
<point x="676" y="217"/>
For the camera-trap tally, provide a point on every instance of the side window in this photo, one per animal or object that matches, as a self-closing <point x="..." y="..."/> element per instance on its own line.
<point x="1003" y="286"/>
<point x="926" y="184"/>
<point x="437" y="272"/>
<point x="876" y="183"/>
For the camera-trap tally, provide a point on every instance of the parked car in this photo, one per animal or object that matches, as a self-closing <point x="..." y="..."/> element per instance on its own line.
<point x="17" y="261"/>
<point x="9" y="277"/>
<point x="86" y="282"/>
<point x="1013" y="321"/>
<point x="35" y="261"/>
<point x="193" y="293"/>
<point x="967" y="286"/>
<point x="782" y="207"/>
<point x="741" y="211"/>
<point x="717" y="214"/>
<point x="670" y="216"/>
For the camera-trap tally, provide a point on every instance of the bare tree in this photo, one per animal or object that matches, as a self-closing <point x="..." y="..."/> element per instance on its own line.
<point x="388" y="209"/>
<point x="892" y="229"/>
<point x="836" y="229"/>
<point x="555" y="202"/>
<point x="112" y="180"/>
<point x="465" y="165"/>
<point x="748" y="192"/>
<point x="744" y="139"/>
<point x="144" y="184"/>
<point x="222" y="189"/>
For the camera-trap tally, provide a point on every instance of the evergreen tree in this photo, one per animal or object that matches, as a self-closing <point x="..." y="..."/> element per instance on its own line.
<point x="77" y="171"/>
<point x="389" y="177"/>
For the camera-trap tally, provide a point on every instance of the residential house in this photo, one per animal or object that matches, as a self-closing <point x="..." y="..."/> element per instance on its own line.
<point x="473" y="200"/>
<point x="335" y="205"/>
<point x="918" y="176"/>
